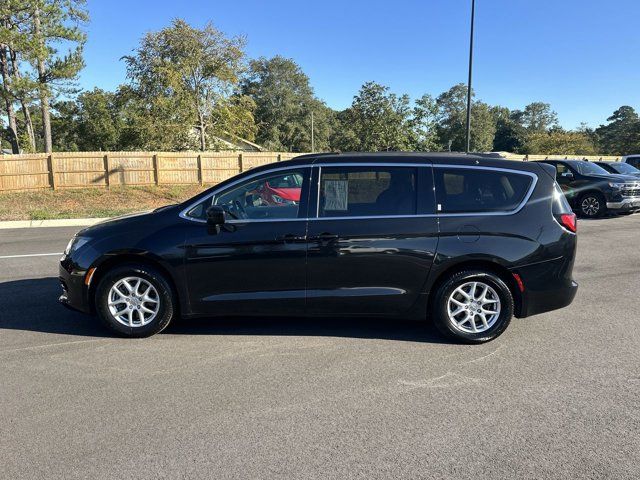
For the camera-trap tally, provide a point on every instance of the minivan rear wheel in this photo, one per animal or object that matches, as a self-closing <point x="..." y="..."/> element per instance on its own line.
<point x="135" y="301"/>
<point x="473" y="306"/>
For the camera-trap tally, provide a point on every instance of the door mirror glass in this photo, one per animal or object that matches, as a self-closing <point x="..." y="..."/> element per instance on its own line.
<point x="215" y="215"/>
<point x="567" y="175"/>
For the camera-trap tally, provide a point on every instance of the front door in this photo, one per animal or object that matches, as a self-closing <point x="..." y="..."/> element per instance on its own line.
<point x="373" y="240"/>
<point x="255" y="263"/>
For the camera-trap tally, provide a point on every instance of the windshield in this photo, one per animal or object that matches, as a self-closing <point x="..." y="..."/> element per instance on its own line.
<point x="587" y="168"/>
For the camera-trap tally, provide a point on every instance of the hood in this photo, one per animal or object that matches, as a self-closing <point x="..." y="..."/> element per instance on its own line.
<point x="613" y="177"/>
<point x="130" y="220"/>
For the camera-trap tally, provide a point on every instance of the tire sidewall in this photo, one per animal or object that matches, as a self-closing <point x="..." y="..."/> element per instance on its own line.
<point x="441" y="315"/>
<point x="600" y="200"/>
<point x="165" y="294"/>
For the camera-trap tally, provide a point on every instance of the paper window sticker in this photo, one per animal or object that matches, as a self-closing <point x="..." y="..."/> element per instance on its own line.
<point x="336" y="195"/>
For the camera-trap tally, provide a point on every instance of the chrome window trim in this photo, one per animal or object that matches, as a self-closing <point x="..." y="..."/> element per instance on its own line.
<point x="533" y="176"/>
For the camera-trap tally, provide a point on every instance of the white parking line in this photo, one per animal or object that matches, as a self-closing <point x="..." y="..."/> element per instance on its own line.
<point x="30" y="255"/>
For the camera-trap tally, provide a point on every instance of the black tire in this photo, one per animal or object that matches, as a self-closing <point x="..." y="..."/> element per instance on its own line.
<point x="588" y="201"/>
<point x="166" y="298"/>
<point x="440" y="314"/>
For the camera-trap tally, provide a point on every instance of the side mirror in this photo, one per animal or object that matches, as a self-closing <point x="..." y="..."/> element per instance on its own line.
<point x="568" y="175"/>
<point x="215" y="216"/>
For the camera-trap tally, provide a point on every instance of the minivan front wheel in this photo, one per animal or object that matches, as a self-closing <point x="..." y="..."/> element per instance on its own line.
<point x="135" y="301"/>
<point x="473" y="306"/>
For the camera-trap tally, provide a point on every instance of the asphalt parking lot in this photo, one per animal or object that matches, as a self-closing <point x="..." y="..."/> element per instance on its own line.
<point x="556" y="396"/>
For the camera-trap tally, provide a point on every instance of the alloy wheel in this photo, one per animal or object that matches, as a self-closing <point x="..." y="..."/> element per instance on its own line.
<point x="133" y="302"/>
<point x="590" y="206"/>
<point x="473" y="307"/>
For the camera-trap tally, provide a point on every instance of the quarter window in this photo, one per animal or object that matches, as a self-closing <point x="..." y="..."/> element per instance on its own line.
<point x="367" y="191"/>
<point x="462" y="190"/>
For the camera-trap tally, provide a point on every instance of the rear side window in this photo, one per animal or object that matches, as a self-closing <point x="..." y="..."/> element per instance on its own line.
<point x="466" y="190"/>
<point x="367" y="191"/>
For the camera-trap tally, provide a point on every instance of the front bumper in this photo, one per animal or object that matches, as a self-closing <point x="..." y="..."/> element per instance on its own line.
<point x="74" y="292"/>
<point x="626" y="204"/>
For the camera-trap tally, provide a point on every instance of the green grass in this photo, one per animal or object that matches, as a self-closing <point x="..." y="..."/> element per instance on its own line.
<point x="90" y="202"/>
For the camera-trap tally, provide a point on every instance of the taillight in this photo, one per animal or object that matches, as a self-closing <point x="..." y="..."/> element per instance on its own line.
<point x="569" y="221"/>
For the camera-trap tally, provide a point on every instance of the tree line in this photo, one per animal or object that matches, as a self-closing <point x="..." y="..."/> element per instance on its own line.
<point x="191" y="88"/>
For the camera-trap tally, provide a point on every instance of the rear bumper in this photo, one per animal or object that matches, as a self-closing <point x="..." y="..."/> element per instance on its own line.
<point x="546" y="301"/>
<point x="547" y="286"/>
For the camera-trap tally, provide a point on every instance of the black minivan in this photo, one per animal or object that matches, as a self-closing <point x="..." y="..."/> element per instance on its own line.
<point x="468" y="241"/>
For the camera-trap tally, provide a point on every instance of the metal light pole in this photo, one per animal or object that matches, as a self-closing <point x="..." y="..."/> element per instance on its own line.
<point x="473" y="14"/>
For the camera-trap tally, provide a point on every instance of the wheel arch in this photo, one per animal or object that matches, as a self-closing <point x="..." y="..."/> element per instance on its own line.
<point x="485" y="265"/>
<point x="115" y="260"/>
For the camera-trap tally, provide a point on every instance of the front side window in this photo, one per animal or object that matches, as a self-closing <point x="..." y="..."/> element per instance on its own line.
<point x="367" y="191"/>
<point x="465" y="190"/>
<point x="272" y="196"/>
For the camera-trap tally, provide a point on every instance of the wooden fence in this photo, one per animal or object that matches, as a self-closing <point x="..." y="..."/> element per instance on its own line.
<point x="105" y="169"/>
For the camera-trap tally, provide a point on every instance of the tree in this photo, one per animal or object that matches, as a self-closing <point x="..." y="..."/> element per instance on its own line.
<point x="54" y="22"/>
<point x="537" y="117"/>
<point x="559" y="142"/>
<point x="182" y="79"/>
<point x="98" y="121"/>
<point x="423" y="124"/>
<point x="284" y="103"/>
<point x="510" y="133"/>
<point x="377" y="120"/>
<point x="452" y="111"/>
<point x="622" y="134"/>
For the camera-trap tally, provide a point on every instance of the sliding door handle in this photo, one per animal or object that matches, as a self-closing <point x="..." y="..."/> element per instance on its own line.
<point x="290" y="238"/>
<point x="325" y="237"/>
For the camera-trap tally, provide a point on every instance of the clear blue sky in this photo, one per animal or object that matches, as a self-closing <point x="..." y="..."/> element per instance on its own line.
<point x="582" y="56"/>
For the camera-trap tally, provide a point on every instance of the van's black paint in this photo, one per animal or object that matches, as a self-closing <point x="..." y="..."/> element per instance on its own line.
<point x="375" y="266"/>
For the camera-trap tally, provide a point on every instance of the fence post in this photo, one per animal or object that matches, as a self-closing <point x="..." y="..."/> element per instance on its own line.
<point x="200" y="169"/>
<point x="105" y="160"/>
<point x="240" y="166"/>
<point x="155" y="169"/>
<point x="52" y="172"/>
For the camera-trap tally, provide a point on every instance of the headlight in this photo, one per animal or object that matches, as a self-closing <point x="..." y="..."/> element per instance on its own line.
<point x="619" y="186"/>
<point x="74" y="244"/>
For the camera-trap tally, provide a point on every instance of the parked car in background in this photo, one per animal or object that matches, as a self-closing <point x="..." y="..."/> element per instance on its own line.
<point x="633" y="160"/>
<point x="619" y="168"/>
<point x="466" y="240"/>
<point x="592" y="191"/>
